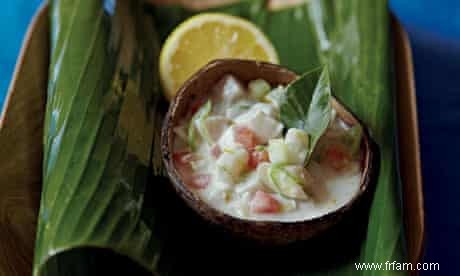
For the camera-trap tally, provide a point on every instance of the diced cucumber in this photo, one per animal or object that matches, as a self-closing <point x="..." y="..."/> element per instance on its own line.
<point x="278" y="152"/>
<point x="258" y="88"/>
<point x="294" y="172"/>
<point x="203" y="130"/>
<point x="237" y="109"/>
<point x="292" y="150"/>
<point x="256" y="180"/>
<point x="200" y="122"/>
<point x="287" y="184"/>
<point x="234" y="162"/>
<point x="192" y="136"/>
<point x="197" y="122"/>
<point x="276" y="96"/>
<point x="266" y="108"/>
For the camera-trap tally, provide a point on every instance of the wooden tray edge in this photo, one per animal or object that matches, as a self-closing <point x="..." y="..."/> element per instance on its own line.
<point x="21" y="128"/>
<point x="409" y="144"/>
<point x="410" y="164"/>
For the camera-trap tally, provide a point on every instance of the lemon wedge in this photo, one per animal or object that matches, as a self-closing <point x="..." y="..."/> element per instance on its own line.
<point x="205" y="37"/>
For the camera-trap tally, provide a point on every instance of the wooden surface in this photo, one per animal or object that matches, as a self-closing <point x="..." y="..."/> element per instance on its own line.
<point x="409" y="145"/>
<point x="21" y="151"/>
<point x="21" y="147"/>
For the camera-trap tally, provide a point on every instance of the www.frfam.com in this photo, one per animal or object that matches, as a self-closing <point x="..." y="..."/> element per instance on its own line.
<point x="396" y="266"/>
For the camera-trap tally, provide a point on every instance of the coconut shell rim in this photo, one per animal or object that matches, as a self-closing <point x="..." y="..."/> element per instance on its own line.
<point x="217" y="217"/>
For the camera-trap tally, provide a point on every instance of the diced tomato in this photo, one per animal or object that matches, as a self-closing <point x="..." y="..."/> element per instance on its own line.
<point x="216" y="151"/>
<point x="182" y="161"/>
<point x="199" y="181"/>
<point x="257" y="157"/>
<point x="264" y="203"/>
<point x="245" y="137"/>
<point x="336" y="157"/>
<point x="195" y="105"/>
<point x="183" y="157"/>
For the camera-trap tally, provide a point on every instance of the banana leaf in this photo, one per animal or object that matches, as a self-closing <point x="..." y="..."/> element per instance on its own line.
<point x="99" y="139"/>
<point x="106" y="208"/>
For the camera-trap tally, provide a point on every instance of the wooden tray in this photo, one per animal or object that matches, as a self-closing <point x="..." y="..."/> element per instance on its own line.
<point x="21" y="130"/>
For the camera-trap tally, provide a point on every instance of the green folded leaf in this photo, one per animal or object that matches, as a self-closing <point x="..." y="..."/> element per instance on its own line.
<point x="101" y="118"/>
<point x="307" y="105"/>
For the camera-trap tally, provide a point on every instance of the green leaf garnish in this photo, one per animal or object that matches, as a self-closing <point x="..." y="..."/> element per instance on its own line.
<point x="307" y="105"/>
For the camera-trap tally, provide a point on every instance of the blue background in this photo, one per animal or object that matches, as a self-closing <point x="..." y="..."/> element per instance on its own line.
<point x="434" y="29"/>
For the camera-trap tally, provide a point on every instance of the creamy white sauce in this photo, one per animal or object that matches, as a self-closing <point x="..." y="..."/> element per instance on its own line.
<point x="329" y="194"/>
<point x="326" y="189"/>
